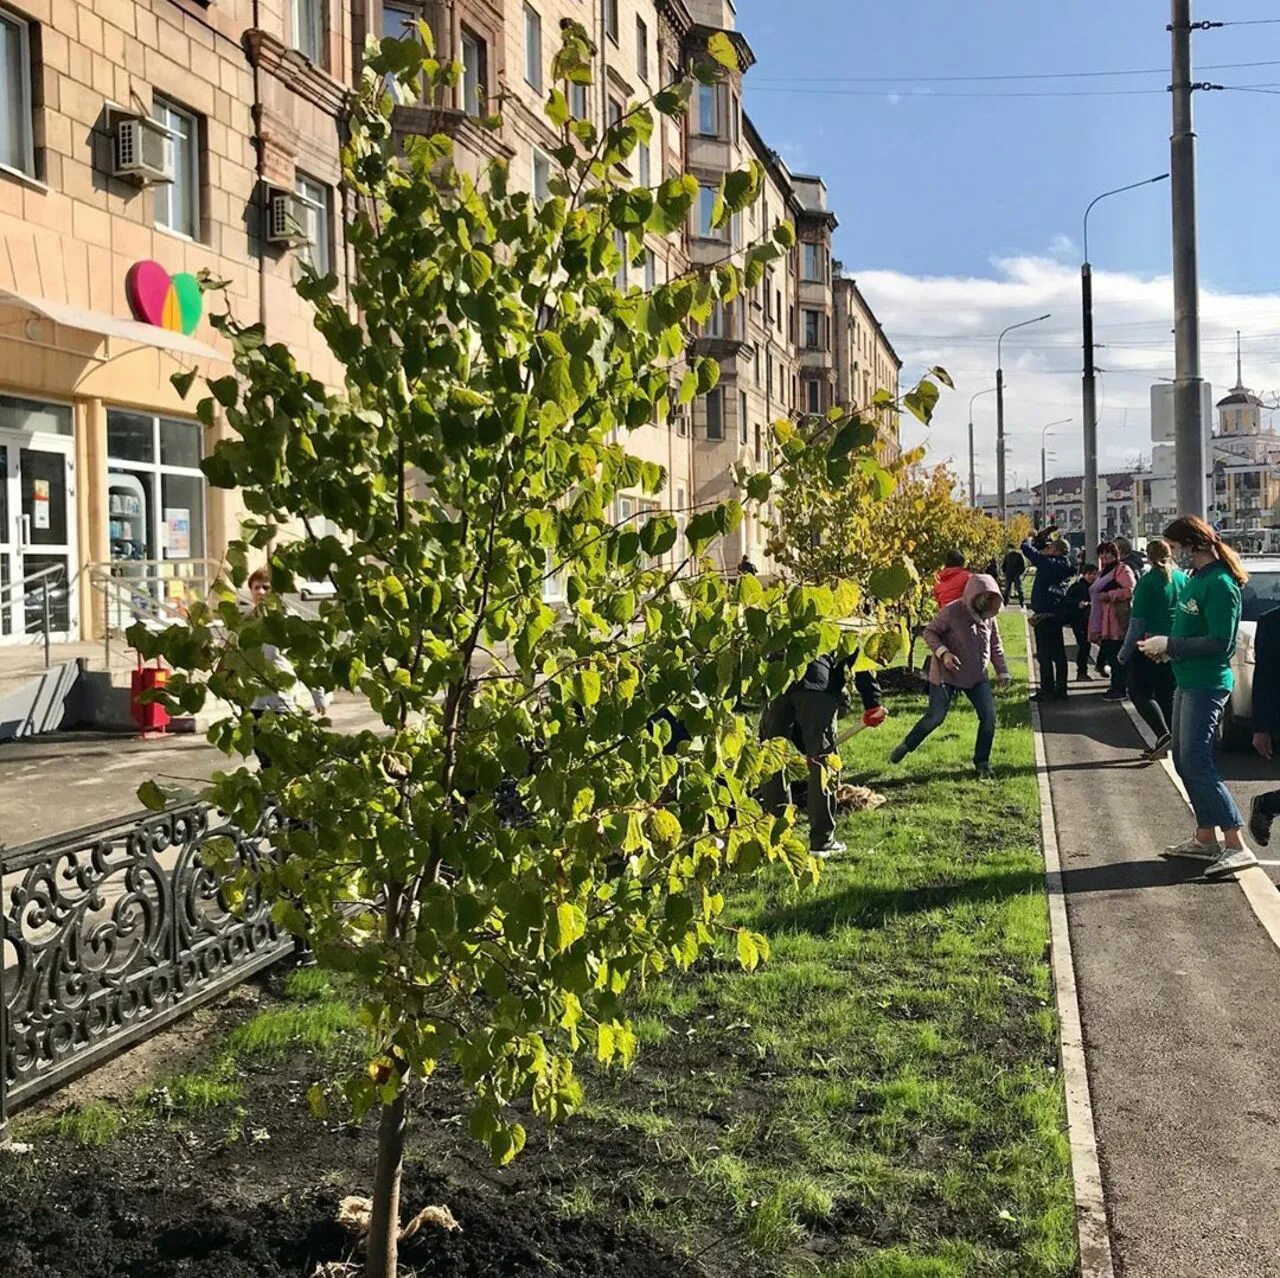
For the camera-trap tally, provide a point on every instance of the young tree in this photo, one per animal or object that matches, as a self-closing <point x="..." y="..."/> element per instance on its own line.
<point x="558" y="796"/>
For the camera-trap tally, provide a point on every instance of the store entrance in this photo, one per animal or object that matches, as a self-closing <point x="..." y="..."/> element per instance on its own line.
<point x="38" y="558"/>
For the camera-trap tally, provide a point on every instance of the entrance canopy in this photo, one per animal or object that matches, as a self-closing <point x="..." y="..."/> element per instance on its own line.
<point x="109" y="326"/>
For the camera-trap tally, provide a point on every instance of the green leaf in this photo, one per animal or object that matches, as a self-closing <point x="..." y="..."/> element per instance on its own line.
<point x="182" y="382"/>
<point x="943" y="376"/>
<point x="557" y="108"/>
<point x="891" y="583"/>
<point x="568" y="925"/>
<point x="920" y="402"/>
<point x="720" y="47"/>
<point x="152" y="797"/>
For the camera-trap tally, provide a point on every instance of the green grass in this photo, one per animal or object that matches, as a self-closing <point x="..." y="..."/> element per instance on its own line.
<point x="315" y="1016"/>
<point x="881" y="1099"/>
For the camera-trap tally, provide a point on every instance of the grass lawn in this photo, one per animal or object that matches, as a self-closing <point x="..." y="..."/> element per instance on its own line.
<point x="881" y="1100"/>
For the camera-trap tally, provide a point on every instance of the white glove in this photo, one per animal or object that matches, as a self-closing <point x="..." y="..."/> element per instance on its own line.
<point x="1157" y="647"/>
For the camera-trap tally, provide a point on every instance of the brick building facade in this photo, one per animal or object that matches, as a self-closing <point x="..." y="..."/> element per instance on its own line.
<point x="241" y="103"/>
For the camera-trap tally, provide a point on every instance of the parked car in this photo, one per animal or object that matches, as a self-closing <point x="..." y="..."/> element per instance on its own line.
<point x="317" y="589"/>
<point x="1260" y="595"/>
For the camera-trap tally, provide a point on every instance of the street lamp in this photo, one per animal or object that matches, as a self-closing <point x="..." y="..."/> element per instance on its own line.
<point x="973" y="483"/>
<point x="1091" y="494"/>
<point x="1044" y="475"/>
<point x="1000" y="409"/>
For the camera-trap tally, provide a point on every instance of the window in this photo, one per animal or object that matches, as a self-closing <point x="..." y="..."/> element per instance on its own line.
<point x="756" y="361"/>
<point x="709" y="110"/>
<point x="715" y="325"/>
<point x="768" y="375"/>
<point x="578" y="101"/>
<point x="533" y="47"/>
<point x="615" y="113"/>
<point x="308" y="30"/>
<point x="475" y="73"/>
<point x="814" y="264"/>
<point x="643" y="165"/>
<point x="743" y="431"/>
<point x="642" y="48"/>
<point x="768" y="297"/>
<point x="759" y="452"/>
<point x="777" y="314"/>
<point x="813" y="391"/>
<point x="812" y="329"/>
<point x="177" y="203"/>
<point x="611" y="24"/>
<point x="620" y="243"/>
<point x="541" y="177"/>
<point x="715" y="414"/>
<point x="706" y="203"/>
<point x="318" y="201"/>
<point x="33" y="416"/>
<point x="552" y="582"/>
<point x="682" y="519"/>
<point x="156" y="490"/>
<point x="16" y="148"/>
<point x="650" y="270"/>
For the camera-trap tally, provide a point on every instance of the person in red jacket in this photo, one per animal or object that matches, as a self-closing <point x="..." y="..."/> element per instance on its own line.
<point x="949" y="584"/>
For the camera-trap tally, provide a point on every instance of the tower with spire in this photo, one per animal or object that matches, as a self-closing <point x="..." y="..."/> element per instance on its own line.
<point x="1240" y="413"/>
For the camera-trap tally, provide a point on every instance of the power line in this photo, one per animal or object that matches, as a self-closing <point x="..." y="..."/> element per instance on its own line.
<point x="926" y="96"/>
<point x="978" y="79"/>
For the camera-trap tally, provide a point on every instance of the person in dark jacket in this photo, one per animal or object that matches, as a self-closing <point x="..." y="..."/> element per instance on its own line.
<point x="1134" y="558"/>
<point x="1266" y="717"/>
<point x="1051" y="557"/>
<point x="1076" y="611"/>
<point x="806" y="715"/>
<point x="1015" y="567"/>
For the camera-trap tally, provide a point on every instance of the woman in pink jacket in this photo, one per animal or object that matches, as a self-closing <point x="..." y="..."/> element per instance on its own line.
<point x="1109" y="619"/>
<point x="963" y="641"/>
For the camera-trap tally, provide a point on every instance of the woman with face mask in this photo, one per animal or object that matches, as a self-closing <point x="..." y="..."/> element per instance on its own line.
<point x="1151" y="685"/>
<point x="1200" y="644"/>
<point x="963" y="639"/>
<point x="1109" y="619"/>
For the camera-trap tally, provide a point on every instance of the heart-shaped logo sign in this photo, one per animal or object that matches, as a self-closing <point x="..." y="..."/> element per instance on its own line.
<point x="167" y="301"/>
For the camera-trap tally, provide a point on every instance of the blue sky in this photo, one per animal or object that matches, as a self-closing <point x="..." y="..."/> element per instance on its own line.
<point x="975" y="202"/>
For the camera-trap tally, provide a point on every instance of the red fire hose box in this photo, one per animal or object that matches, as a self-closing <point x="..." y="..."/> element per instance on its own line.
<point x="149" y="716"/>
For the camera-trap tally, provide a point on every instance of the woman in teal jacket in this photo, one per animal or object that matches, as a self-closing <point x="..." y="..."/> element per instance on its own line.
<point x="1200" y="643"/>
<point x="1151" y="683"/>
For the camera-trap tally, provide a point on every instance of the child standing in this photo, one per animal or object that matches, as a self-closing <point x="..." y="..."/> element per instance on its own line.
<point x="963" y="640"/>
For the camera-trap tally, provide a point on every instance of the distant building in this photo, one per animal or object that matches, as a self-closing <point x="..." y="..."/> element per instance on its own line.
<point x="1118" y="516"/>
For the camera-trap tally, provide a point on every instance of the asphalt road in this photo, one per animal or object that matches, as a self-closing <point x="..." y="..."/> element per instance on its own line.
<point x="55" y="783"/>
<point x="1180" y="998"/>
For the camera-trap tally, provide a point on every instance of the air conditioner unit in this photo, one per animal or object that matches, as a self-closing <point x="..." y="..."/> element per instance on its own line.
<point x="290" y="218"/>
<point x="144" y="150"/>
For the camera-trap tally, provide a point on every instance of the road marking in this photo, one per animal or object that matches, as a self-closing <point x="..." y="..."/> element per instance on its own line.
<point x="1091" y="1207"/>
<point x="1255" y="883"/>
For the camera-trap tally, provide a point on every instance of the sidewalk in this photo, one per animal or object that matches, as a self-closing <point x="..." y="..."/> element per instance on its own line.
<point x="50" y="784"/>
<point x="1179" y="988"/>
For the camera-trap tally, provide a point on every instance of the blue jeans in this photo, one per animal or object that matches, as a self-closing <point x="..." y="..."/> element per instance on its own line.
<point x="941" y="695"/>
<point x="1196" y="715"/>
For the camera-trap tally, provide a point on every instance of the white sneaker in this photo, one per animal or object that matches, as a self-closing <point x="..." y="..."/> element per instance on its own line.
<point x="1231" y="860"/>
<point x="1193" y="850"/>
<point x="832" y="847"/>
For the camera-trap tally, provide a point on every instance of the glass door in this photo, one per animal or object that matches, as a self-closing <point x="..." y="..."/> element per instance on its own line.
<point x="37" y="533"/>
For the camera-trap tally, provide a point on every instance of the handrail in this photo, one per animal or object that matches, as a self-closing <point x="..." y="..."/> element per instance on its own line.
<point x="46" y="578"/>
<point x="137" y="587"/>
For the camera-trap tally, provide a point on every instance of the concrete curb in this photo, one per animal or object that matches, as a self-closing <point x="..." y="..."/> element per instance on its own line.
<point x="1091" y="1209"/>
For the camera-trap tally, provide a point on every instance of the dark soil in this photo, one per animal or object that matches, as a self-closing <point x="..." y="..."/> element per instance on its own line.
<point x="254" y="1193"/>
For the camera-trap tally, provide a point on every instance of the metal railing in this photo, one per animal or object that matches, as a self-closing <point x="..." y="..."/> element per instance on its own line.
<point x="47" y="579"/>
<point x="154" y="592"/>
<point x="112" y="931"/>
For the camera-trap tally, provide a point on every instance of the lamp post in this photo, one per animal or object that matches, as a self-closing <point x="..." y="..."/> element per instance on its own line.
<point x="1000" y="409"/>
<point x="1091" y="494"/>
<point x="1044" y="473"/>
<point x="973" y="483"/>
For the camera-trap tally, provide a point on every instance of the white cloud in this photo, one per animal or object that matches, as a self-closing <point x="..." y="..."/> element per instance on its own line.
<point x="1064" y="246"/>
<point x="954" y="321"/>
<point x="893" y="99"/>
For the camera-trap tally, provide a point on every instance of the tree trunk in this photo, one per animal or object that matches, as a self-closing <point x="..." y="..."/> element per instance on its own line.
<point x="384" y="1227"/>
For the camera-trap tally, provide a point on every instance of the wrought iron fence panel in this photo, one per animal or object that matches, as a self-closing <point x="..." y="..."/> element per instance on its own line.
<point x="109" y="932"/>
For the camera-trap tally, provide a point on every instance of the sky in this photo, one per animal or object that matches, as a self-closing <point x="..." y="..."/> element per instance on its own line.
<point x="961" y="214"/>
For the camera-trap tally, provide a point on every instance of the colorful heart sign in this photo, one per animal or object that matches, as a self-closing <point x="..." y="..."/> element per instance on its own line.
<point x="167" y="301"/>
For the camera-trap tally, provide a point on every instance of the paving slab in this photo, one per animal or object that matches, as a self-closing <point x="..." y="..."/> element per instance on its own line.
<point x="1179" y="989"/>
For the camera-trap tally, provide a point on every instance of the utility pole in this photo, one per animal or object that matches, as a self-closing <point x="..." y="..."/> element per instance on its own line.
<point x="1092" y="497"/>
<point x="1000" y="412"/>
<point x="973" y="481"/>
<point x="1044" y="469"/>
<point x="1187" y="403"/>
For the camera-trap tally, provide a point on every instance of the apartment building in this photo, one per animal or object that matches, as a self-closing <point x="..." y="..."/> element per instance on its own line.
<point x="865" y="362"/>
<point x="143" y="141"/>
